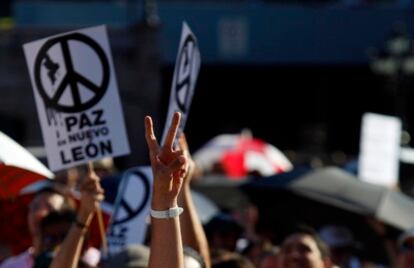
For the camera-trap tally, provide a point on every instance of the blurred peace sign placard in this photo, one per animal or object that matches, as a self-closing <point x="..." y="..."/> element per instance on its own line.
<point x="128" y="223"/>
<point x="77" y="99"/>
<point x="187" y="66"/>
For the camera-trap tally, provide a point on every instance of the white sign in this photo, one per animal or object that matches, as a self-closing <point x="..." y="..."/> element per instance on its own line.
<point x="380" y="149"/>
<point x="76" y="94"/>
<point x="186" y="70"/>
<point x="128" y="223"/>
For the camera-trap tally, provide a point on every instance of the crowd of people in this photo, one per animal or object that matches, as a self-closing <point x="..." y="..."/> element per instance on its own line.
<point x="177" y="236"/>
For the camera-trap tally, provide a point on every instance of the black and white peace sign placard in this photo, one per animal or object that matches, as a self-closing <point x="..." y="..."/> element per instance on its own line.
<point x="128" y="224"/>
<point x="134" y="196"/>
<point x="75" y="91"/>
<point x="185" y="76"/>
<point x="77" y="97"/>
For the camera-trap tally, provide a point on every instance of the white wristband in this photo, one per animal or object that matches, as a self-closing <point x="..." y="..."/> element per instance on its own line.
<point x="166" y="214"/>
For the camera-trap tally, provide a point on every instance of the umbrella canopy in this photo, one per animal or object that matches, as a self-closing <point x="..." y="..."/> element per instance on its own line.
<point x="223" y="191"/>
<point x="340" y="189"/>
<point x="240" y="154"/>
<point x="313" y="197"/>
<point x="14" y="231"/>
<point x="18" y="168"/>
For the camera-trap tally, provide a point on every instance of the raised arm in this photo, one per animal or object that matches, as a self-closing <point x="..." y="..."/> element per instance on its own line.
<point x="70" y="250"/>
<point x="168" y="167"/>
<point x="192" y="231"/>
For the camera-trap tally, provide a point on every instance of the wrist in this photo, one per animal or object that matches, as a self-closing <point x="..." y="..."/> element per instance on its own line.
<point x="166" y="214"/>
<point x="81" y="225"/>
<point x="160" y="203"/>
<point x="84" y="218"/>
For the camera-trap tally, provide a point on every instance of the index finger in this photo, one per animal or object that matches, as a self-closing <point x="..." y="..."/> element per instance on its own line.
<point x="172" y="131"/>
<point x="150" y="136"/>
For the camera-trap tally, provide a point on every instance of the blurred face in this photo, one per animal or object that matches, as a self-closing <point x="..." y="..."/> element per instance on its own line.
<point x="301" y="251"/>
<point x="53" y="235"/>
<point x="406" y="254"/>
<point x="40" y="207"/>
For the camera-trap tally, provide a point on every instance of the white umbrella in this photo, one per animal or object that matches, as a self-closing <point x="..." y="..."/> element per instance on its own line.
<point x="18" y="168"/>
<point x="241" y="154"/>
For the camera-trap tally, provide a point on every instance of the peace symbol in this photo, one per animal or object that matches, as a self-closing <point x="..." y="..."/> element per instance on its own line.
<point x="72" y="78"/>
<point x="183" y="77"/>
<point x="130" y="211"/>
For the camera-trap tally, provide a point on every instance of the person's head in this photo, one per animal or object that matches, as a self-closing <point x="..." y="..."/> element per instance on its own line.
<point x="256" y="250"/>
<point x="104" y="167"/>
<point x="45" y="201"/>
<point x="340" y="241"/>
<point x="232" y="260"/>
<point x="303" y="248"/>
<point x="406" y="249"/>
<point x="223" y="232"/>
<point x="54" y="227"/>
<point x="132" y="256"/>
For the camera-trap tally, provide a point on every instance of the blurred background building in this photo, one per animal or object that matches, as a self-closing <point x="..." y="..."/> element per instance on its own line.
<point x="296" y="73"/>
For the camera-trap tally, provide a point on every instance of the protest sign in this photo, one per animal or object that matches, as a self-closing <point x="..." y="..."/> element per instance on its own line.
<point x="128" y="224"/>
<point x="380" y="149"/>
<point x="186" y="70"/>
<point x="76" y="95"/>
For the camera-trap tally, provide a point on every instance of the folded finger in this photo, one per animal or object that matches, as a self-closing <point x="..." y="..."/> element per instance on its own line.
<point x="178" y="164"/>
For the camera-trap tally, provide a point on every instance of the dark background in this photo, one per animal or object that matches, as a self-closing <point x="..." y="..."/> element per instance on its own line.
<point x="292" y="107"/>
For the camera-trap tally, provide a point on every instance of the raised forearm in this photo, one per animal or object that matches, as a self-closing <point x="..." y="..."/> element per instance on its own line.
<point x="69" y="252"/>
<point x="166" y="245"/>
<point x="193" y="234"/>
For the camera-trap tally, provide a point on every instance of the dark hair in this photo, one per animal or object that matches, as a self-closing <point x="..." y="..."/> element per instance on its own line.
<point x="222" y="223"/>
<point x="54" y="217"/>
<point x="307" y="230"/>
<point x="234" y="260"/>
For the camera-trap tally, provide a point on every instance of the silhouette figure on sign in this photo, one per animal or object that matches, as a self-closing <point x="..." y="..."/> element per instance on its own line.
<point x="52" y="68"/>
<point x="72" y="79"/>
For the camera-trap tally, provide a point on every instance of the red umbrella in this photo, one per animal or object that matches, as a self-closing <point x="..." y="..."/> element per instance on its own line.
<point x="14" y="232"/>
<point x="106" y="207"/>
<point x="240" y="155"/>
<point x="18" y="168"/>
